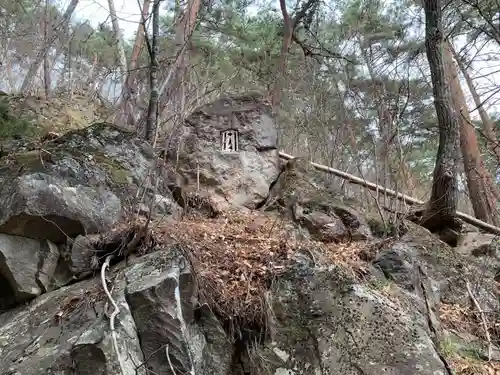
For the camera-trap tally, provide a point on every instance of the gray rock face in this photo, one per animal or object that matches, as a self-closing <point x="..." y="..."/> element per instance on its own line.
<point x="326" y="323"/>
<point x="242" y="176"/>
<point x="325" y="217"/>
<point x="163" y="206"/>
<point x="65" y="332"/>
<point x="479" y="245"/>
<point x="76" y="185"/>
<point x="420" y="257"/>
<point x="27" y="268"/>
<point x="18" y="269"/>
<point x="161" y="292"/>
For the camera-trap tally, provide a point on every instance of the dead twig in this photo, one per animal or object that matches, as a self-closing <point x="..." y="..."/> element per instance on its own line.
<point x="483" y="320"/>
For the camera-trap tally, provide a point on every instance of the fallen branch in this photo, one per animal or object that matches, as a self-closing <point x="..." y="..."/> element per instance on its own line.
<point x="115" y="312"/>
<point x="483" y="319"/>
<point x="405" y="198"/>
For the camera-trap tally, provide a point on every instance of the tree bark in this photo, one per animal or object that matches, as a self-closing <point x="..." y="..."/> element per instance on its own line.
<point x="47" y="69"/>
<point x="185" y="24"/>
<point x="282" y="63"/>
<point x="130" y="92"/>
<point x="35" y="66"/>
<point x="489" y="127"/>
<point x="120" y="47"/>
<point x="442" y="206"/>
<point x="483" y="193"/>
<point x="288" y="30"/>
<point x="47" y="82"/>
<point x="151" y="123"/>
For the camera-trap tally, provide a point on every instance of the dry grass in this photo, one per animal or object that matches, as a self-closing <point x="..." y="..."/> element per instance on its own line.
<point x="237" y="256"/>
<point x="465" y="320"/>
<point x="464" y="366"/>
<point x="459" y="318"/>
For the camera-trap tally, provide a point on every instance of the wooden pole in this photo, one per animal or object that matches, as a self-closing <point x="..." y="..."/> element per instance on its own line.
<point x="374" y="187"/>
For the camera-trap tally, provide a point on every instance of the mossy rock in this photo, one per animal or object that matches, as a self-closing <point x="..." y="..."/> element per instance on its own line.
<point x="115" y="170"/>
<point x="387" y="229"/>
<point x="13" y="126"/>
<point x="33" y="160"/>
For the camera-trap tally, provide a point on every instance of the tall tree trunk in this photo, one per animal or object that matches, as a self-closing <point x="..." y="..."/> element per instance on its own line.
<point x="442" y="206"/>
<point x="489" y="127"/>
<point x="483" y="193"/>
<point x="47" y="83"/>
<point x="184" y="27"/>
<point x="151" y="123"/>
<point x="120" y="46"/>
<point x="35" y="65"/>
<point x="130" y="93"/>
<point x="283" y="60"/>
<point x="288" y="29"/>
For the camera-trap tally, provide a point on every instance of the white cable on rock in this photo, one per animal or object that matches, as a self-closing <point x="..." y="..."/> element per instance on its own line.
<point x="115" y="312"/>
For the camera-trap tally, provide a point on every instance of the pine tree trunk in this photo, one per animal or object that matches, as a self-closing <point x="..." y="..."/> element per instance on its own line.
<point x="122" y="59"/>
<point x="47" y="82"/>
<point x="35" y="66"/>
<point x="442" y="206"/>
<point x="489" y="127"/>
<point x="151" y="123"/>
<point x="47" y="68"/>
<point x="282" y="62"/>
<point x="130" y="91"/>
<point x="483" y="193"/>
<point x="184" y="27"/>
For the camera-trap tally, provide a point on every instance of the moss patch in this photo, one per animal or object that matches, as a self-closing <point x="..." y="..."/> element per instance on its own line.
<point x="12" y="126"/>
<point x="115" y="171"/>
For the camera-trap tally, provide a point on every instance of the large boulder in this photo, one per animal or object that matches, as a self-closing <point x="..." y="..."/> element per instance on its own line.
<point x="241" y="175"/>
<point x="159" y="326"/>
<point x="73" y="185"/>
<point x="67" y="332"/>
<point x="325" y="322"/>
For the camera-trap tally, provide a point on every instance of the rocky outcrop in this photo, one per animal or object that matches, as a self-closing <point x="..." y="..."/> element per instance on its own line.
<point x="242" y="176"/>
<point x="162" y="295"/>
<point x="313" y="207"/>
<point x="323" y="320"/>
<point x="72" y="185"/>
<point x="327" y="323"/>
<point x="420" y="257"/>
<point x="68" y="330"/>
<point x="245" y="298"/>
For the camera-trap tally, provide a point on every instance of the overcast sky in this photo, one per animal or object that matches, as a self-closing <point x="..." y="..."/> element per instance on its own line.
<point x="96" y="11"/>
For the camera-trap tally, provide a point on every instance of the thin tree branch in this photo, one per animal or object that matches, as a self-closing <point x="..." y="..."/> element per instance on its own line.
<point x="483" y="319"/>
